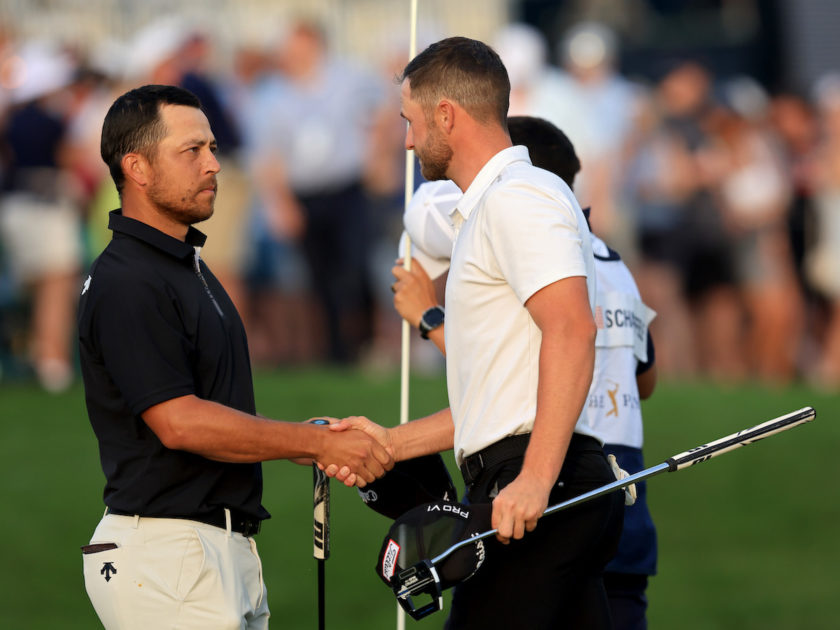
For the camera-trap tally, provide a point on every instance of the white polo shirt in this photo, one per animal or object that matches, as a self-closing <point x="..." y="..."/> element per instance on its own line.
<point x="612" y="412"/>
<point x="518" y="229"/>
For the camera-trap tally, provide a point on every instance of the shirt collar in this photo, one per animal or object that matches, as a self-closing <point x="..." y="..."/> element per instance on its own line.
<point x="120" y="224"/>
<point x="486" y="176"/>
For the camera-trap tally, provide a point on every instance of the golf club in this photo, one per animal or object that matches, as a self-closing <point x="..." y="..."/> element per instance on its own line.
<point x="422" y="578"/>
<point x="321" y="529"/>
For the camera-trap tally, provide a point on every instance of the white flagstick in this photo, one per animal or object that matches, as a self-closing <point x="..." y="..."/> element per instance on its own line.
<point x="406" y="328"/>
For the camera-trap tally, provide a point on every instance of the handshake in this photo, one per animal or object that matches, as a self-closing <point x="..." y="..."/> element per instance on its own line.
<point x="353" y="450"/>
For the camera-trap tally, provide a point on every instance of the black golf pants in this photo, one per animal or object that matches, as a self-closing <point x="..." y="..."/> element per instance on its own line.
<point x="553" y="577"/>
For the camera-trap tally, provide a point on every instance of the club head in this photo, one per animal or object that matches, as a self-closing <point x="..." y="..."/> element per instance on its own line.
<point x="417" y="580"/>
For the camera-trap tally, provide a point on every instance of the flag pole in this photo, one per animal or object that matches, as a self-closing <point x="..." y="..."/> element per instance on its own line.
<point x="406" y="328"/>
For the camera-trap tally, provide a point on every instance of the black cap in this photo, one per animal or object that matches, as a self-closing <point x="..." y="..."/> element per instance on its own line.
<point x="408" y="484"/>
<point x="407" y="562"/>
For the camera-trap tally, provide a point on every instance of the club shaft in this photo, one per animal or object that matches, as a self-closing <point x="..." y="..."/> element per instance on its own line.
<point x="581" y="498"/>
<point x="321" y="596"/>
<point x="321" y="531"/>
<point x="677" y="462"/>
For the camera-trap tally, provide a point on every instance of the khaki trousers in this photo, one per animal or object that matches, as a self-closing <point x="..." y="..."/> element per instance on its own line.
<point x="161" y="573"/>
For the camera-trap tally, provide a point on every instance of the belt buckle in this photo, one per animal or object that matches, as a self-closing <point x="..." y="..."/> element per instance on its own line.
<point x="250" y="527"/>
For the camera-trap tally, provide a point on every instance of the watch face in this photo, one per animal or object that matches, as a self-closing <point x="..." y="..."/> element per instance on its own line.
<point x="431" y="319"/>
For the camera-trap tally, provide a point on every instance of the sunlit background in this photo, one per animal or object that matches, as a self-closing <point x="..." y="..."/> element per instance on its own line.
<point x="709" y="136"/>
<point x="707" y="132"/>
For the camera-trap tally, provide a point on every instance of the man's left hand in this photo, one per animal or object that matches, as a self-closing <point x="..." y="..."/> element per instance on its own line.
<point x="518" y="507"/>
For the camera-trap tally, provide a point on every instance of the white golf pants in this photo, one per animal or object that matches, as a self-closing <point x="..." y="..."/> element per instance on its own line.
<point x="161" y="573"/>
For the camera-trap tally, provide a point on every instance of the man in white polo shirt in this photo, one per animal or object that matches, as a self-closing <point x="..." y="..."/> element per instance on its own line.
<point x="625" y="372"/>
<point x="520" y="352"/>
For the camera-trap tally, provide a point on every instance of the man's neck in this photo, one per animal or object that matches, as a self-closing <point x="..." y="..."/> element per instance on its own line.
<point x="144" y="211"/>
<point x="474" y="153"/>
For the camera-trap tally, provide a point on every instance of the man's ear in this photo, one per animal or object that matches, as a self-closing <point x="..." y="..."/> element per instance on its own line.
<point x="445" y="115"/>
<point x="136" y="168"/>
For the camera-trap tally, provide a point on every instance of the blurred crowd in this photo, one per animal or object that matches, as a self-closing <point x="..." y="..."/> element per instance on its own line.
<point x="723" y="198"/>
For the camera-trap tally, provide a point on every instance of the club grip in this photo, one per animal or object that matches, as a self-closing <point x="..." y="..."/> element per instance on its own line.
<point x="321" y="514"/>
<point x="320" y="509"/>
<point x="742" y="438"/>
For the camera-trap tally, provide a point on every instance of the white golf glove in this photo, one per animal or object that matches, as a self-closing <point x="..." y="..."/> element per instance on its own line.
<point x="630" y="490"/>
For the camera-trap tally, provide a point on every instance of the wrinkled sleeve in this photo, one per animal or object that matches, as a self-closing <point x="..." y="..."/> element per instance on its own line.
<point x="535" y="239"/>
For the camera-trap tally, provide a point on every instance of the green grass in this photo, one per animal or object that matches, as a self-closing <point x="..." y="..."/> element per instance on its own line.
<point x="747" y="540"/>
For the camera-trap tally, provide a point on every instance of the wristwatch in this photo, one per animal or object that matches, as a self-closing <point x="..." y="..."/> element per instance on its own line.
<point x="431" y="319"/>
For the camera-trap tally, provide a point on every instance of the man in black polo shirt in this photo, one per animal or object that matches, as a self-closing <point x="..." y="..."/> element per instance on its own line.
<point x="169" y="393"/>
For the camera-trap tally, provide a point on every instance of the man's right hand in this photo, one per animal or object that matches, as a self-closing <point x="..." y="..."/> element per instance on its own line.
<point x="355" y="457"/>
<point x="379" y="433"/>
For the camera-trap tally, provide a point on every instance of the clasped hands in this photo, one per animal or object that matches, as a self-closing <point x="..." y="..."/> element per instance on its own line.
<point x="356" y="451"/>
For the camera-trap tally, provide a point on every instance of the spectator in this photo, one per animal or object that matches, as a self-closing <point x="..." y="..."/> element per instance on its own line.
<point x="284" y="322"/>
<point x="601" y="110"/>
<point x="536" y="87"/>
<point x="660" y="178"/>
<point x="794" y="121"/>
<point x="588" y="98"/>
<point x="312" y="160"/>
<point x="40" y="224"/>
<point x="684" y="235"/>
<point x="384" y="184"/>
<point x="822" y="261"/>
<point x="753" y="193"/>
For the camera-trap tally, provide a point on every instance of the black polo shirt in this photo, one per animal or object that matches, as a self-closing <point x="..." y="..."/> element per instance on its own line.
<point x="150" y="330"/>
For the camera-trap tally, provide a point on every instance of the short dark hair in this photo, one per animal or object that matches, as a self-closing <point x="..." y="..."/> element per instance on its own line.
<point x="465" y="70"/>
<point x="133" y="124"/>
<point x="550" y="148"/>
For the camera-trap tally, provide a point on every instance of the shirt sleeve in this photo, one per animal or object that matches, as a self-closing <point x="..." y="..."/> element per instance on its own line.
<point x="137" y="332"/>
<point x="535" y="238"/>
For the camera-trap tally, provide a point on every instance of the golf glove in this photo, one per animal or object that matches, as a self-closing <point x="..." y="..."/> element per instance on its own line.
<point x="630" y="490"/>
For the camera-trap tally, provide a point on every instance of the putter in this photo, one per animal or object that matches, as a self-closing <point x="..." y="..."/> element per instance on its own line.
<point x="321" y="529"/>
<point x="422" y="578"/>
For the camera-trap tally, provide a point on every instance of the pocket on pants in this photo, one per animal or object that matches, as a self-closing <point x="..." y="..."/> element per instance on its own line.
<point x="192" y="564"/>
<point x="100" y="560"/>
<point x="101" y="565"/>
<point x="171" y="559"/>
